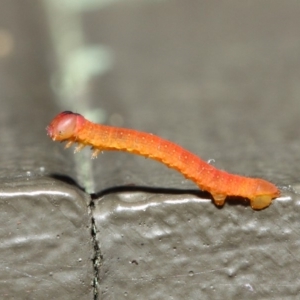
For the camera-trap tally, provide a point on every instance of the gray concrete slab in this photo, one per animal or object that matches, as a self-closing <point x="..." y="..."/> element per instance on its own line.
<point x="158" y="246"/>
<point x="46" y="248"/>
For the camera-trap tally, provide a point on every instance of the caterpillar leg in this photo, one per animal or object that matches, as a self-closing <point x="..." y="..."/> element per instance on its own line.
<point x="95" y="153"/>
<point x="79" y="148"/>
<point x="68" y="144"/>
<point x="219" y="199"/>
<point x="260" y="202"/>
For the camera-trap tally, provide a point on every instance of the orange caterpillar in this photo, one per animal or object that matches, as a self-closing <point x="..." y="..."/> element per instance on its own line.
<point x="74" y="128"/>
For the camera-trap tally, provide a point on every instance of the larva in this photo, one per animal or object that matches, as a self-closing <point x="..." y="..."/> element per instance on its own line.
<point x="74" y="128"/>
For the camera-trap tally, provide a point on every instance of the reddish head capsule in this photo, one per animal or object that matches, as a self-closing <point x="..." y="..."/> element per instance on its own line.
<point x="65" y="125"/>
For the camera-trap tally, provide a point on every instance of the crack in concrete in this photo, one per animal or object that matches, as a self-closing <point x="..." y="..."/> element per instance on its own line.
<point x="97" y="258"/>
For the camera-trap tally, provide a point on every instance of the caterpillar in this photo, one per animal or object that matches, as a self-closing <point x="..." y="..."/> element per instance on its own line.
<point x="74" y="128"/>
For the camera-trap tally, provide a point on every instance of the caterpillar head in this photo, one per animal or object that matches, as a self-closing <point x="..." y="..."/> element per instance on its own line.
<point x="65" y="126"/>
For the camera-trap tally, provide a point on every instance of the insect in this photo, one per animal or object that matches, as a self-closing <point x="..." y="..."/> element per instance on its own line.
<point x="74" y="128"/>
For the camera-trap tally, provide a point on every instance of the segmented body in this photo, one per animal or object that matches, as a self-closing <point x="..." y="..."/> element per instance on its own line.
<point x="74" y="128"/>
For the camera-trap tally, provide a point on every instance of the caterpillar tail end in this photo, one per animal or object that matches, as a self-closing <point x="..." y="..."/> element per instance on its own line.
<point x="256" y="203"/>
<point x="260" y="202"/>
<point x="264" y="193"/>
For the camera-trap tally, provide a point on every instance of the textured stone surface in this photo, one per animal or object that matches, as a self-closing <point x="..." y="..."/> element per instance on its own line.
<point x="181" y="247"/>
<point x="45" y="248"/>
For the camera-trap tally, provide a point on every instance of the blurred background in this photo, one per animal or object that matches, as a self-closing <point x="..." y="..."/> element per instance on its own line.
<point x="218" y="78"/>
